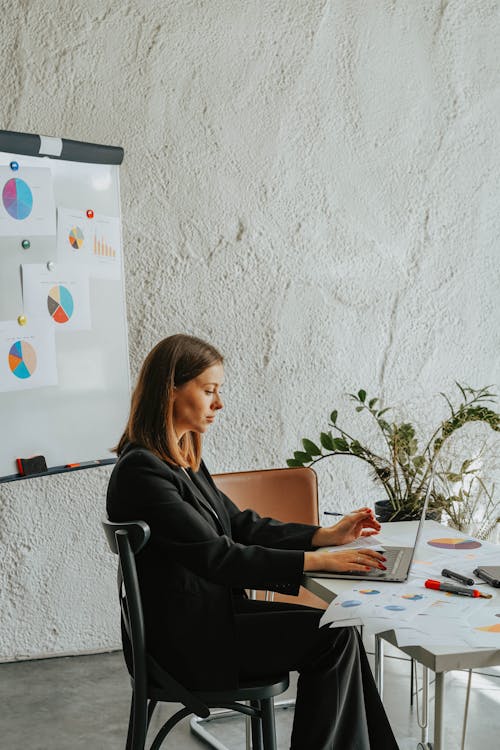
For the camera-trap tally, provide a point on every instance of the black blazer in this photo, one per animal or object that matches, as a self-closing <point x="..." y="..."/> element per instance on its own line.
<point x="203" y="551"/>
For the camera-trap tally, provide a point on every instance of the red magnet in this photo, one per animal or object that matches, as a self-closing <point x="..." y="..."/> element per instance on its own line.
<point x="90" y="214"/>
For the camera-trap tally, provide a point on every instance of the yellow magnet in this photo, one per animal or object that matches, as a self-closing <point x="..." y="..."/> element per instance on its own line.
<point x="22" y="320"/>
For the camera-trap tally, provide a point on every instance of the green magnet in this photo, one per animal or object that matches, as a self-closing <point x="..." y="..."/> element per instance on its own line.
<point x="26" y="244"/>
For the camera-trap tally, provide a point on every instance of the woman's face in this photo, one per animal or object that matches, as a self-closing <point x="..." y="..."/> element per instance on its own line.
<point x="197" y="401"/>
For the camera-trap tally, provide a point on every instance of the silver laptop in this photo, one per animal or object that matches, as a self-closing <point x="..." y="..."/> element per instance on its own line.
<point x="399" y="559"/>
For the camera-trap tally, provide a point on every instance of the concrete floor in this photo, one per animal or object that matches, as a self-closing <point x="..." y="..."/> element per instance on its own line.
<point x="82" y="703"/>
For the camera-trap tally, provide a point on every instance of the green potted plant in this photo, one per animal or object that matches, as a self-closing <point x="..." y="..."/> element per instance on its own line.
<point x="468" y="500"/>
<point x="403" y="465"/>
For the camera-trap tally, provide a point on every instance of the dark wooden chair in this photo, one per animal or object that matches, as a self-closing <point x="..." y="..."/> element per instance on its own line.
<point x="152" y="684"/>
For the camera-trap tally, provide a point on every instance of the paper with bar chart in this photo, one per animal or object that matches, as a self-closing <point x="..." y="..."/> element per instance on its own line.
<point x="59" y="298"/>
<point x="94" y="242"/>
<point x="27" y="356"/>
<point x="27" y="205"/>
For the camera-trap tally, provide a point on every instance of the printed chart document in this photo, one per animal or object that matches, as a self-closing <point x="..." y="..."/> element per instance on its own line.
<point x="421" y="616"/>
<point x="28" y="356"/>
<point x="93" y="242"/>
<point x="58" y="297"/>
<point x="27" y="206"/>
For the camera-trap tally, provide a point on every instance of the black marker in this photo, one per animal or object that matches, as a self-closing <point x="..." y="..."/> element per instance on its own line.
<point x="457" y="577"/>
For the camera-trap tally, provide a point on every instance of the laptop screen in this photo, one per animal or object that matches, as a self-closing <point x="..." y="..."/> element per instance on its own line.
<point x="430" y="485"/>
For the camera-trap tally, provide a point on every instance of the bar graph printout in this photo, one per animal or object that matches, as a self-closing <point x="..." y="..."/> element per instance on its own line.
<point x="91" y="241"/>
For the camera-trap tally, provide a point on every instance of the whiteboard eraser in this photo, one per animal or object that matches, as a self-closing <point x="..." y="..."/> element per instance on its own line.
<point x="32" y="465"/>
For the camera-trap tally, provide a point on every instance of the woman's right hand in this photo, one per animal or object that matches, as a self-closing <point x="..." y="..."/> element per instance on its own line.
<point x="357" y="560"/>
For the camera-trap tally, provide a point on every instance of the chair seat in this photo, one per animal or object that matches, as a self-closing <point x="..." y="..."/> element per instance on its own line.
<point x="247" y="691"/>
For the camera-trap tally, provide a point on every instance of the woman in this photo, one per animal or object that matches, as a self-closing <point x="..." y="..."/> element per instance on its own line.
<point x="203" y="553"/>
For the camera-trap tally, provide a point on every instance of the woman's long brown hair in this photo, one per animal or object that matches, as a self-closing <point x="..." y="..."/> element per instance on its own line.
<point x="172" y="363"/>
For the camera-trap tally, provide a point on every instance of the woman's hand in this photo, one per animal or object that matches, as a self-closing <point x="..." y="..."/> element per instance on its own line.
<point x="357" y="560"/>
<point x="357" y="524"/>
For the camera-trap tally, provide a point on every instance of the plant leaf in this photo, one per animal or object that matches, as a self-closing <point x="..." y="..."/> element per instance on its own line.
<point x="301" y="456"/>
<point x="339" y="444"/>
<point x="333" y="416"/>
<point x="372" y="402"/>
<point x="362" y="395"/>
<point x="356" y="448"/>
<point x="293" y="462"/>
<point x="326" y="441"/>
<point x="311" y="447"/>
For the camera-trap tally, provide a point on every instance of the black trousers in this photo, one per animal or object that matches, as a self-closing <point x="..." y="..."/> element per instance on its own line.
<point x="338" y="706"/>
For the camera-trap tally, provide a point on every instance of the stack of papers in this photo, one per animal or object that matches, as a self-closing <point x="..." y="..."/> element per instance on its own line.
<point x="420" y="616"/>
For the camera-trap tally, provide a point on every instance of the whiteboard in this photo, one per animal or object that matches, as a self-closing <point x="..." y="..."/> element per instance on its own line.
<point x="69" y="401"/>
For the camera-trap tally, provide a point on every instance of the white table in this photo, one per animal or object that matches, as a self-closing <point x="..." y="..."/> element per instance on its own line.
<point x="439" y="659"/>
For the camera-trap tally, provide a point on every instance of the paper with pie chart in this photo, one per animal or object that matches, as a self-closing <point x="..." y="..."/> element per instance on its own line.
<point x="94" y="242"/>
<point x="59" y="297"/>
<point x="27" y="205"/>
<point x="27" y="356"/>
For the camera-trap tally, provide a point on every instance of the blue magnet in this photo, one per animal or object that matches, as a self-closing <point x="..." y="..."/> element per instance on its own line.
<point x="14" y="166"/>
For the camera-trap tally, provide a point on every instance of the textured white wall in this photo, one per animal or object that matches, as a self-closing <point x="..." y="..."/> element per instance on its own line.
<point x="311" y="185"/>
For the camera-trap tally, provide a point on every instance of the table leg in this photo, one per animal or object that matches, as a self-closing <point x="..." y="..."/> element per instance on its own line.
<point x="379" y="665"/>
<point x="438" y="711"/>
<point x="424" y="726"/>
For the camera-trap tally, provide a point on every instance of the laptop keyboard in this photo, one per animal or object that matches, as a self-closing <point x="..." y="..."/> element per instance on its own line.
<point x="393" y="557"/>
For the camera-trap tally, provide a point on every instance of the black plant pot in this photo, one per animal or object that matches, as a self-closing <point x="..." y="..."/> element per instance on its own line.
<point x="385" y="512"/>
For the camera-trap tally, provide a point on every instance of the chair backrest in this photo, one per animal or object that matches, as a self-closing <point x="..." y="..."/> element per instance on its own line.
<point x="285" y="494"/>
<point x="289" y="494"/>
<point x="126" y="540"/>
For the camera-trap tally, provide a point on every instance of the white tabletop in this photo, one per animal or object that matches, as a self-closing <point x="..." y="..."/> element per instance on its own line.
<point x="439" y="658"/>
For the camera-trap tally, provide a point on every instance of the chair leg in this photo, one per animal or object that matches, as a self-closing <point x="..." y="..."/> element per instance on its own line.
<point x="268" y="725"/>
<point x="151" y="707"/>
<point x="138" y="724"/>
<point x="130" y="732"/>
<point x="256" y="725"/>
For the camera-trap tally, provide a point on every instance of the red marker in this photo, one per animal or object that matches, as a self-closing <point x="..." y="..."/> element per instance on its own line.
<point x="451" y="589"/>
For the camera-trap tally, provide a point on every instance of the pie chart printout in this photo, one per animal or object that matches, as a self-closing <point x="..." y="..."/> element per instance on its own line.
<point x="76" y="238"/>
<point x="60" y="304"/>
<point x="395" y="608"/>
<point x="17" y="198"/>
<point x="22" y="359"/>
<point x="412" y="597"/>
<point x="490" y="628"/>
<point x="448" y="543"/>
